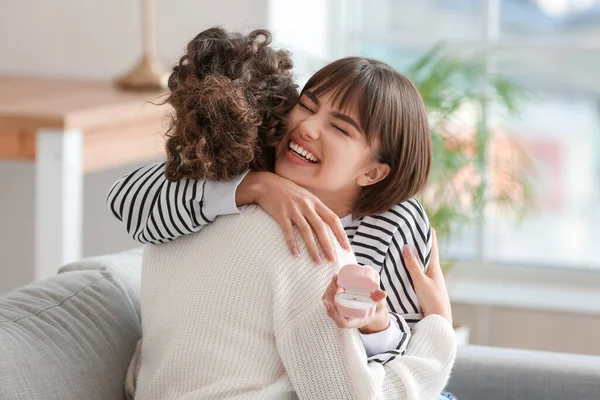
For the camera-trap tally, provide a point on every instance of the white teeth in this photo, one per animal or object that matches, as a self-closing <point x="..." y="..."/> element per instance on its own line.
<point x="303" y="152"/>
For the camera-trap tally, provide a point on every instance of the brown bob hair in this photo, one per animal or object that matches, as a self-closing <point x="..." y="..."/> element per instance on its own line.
<point x="230" y="95"/>
<point x="392" y="115"/>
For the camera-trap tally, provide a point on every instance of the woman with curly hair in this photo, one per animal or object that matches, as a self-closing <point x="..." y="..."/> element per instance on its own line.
<point x="230" y="95"/>
<point x="227" y="312"/>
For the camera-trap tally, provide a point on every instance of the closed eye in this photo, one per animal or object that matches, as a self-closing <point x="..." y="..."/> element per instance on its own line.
<point x="340" y="129"/>
<point x="302" y="105"/>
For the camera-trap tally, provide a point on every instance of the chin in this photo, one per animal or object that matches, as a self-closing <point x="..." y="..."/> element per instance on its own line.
<point x="292" y="173"/>
<point x="287" y="172"/>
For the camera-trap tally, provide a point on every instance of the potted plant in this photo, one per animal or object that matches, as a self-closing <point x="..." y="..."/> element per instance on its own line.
<point x="476" y="168"/>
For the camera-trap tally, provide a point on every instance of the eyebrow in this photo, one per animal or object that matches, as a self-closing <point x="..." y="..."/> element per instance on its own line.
<point x="335" y="114"/>
<point x="346" y="118"/>
<point x="312" y="96"/>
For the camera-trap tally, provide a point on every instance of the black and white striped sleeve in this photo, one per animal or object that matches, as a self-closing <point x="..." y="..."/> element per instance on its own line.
<point x="155" y="210"/>
<point x="378" y="241"/>
<point x="413" y="229"/>
<point x="399" y="342"/>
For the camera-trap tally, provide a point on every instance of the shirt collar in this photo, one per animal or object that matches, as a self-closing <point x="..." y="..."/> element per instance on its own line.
<point x="347" y="220"/>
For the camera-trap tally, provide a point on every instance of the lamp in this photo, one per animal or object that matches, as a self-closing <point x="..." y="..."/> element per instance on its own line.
<point x="148" y="74"/>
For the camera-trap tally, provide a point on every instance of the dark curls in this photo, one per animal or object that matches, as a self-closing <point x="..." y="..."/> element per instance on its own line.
<point x="230" y="94"/>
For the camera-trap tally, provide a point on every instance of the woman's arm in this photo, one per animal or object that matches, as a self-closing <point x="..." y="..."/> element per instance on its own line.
<point x="378" y="242"/>
<point x="324" y="361"/>
<point x="424" y="370"/>
<point x="293" y="206"/>
<point x="412" y="229"/>
<point x="155" y="210"/>
<point x="433" y="346"/>
<point x="383" y="341"/>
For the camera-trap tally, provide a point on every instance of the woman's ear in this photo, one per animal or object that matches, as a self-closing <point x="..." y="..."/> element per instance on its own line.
<point x="373" y="174"/>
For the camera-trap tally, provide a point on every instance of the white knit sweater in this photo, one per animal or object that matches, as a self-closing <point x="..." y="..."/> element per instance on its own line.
<point x="229" y="313"/>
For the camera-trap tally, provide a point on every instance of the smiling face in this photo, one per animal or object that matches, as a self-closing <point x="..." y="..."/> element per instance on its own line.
<point x="327" y="152"/>
<point x="358" y="138"/>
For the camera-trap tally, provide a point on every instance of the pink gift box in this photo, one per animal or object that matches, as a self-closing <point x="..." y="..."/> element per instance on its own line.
<point x="358" y="281"/>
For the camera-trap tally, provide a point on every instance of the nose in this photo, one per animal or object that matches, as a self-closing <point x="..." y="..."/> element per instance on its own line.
<point x="309" y="129"/>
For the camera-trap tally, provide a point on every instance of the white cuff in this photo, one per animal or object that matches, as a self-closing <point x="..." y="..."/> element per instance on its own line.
<point x="380" y="342"/>
<point x="219" y="197"/>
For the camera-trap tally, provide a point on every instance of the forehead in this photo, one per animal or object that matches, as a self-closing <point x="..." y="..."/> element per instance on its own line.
<point x="337" y="100"/>
<point x="358" y="102"/>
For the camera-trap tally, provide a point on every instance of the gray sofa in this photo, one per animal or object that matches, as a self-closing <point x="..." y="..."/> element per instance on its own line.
<point x="72" y="336"/>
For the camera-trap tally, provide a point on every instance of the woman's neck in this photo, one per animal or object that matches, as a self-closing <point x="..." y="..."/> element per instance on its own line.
<point x="341" y="204"/>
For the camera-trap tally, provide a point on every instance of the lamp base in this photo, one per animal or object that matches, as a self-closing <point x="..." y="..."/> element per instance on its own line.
<point x="147" y="75"/>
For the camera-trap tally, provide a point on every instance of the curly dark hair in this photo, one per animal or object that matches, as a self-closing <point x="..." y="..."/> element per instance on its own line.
<point x="230" y="94"/>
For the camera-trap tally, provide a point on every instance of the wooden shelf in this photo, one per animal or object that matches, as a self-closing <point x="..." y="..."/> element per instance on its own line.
<point x="118" y="127"/>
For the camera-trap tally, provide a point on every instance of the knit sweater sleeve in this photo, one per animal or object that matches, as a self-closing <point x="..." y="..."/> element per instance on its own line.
<point x="320" y="359"/>
<point x="424" y="370"/>
<point x="325" y="362"/>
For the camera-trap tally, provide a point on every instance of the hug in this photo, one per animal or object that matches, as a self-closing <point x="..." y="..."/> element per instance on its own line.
<point x="265" y="194"/>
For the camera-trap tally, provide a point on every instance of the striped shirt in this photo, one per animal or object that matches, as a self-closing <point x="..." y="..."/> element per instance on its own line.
<point x="155" y="210"/>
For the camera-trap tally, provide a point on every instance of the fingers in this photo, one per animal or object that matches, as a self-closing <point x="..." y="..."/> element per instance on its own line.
<point x="412" y="263"/>
<point x="435" y="269"/>
<point x="288" y="234"/>
<point x="291" y="205"/>
<point x="320" y="228"/>
<point x="331" y="290"/>
<point x="434" y="245"/>
<point x="333" y="314"/>
<point x="334" y="222"/>
<point x="345" y="323"/>
<point x="341" y="321"/>
<point x="309" y="239"/>
<point x="378" y="295"/>
<point x="329" y="303"/>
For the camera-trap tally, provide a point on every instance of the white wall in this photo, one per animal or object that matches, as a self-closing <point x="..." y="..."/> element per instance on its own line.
<point x="90" y="39"/>
<point x="99" y="39"/>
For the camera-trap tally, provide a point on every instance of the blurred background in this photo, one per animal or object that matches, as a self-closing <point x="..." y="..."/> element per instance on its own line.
<point x="517" y="172"/>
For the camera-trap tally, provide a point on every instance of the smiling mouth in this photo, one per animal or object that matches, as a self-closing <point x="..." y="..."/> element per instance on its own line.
<point x="302" y="152"/>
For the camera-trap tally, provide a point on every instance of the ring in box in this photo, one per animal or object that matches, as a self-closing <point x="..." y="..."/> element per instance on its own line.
<point x="358" y="281"/>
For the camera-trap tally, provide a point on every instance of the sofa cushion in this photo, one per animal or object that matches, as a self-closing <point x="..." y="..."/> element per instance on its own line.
<point x="127" y="266"/>
<point x="67" y="337"/>
<point x="496" y="373"/>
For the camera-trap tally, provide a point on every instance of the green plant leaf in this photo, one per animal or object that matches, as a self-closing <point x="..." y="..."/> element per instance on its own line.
<point x="449" y="85"/>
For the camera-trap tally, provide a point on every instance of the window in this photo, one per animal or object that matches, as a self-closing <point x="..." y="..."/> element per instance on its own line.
<point x="552" y="48"/>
